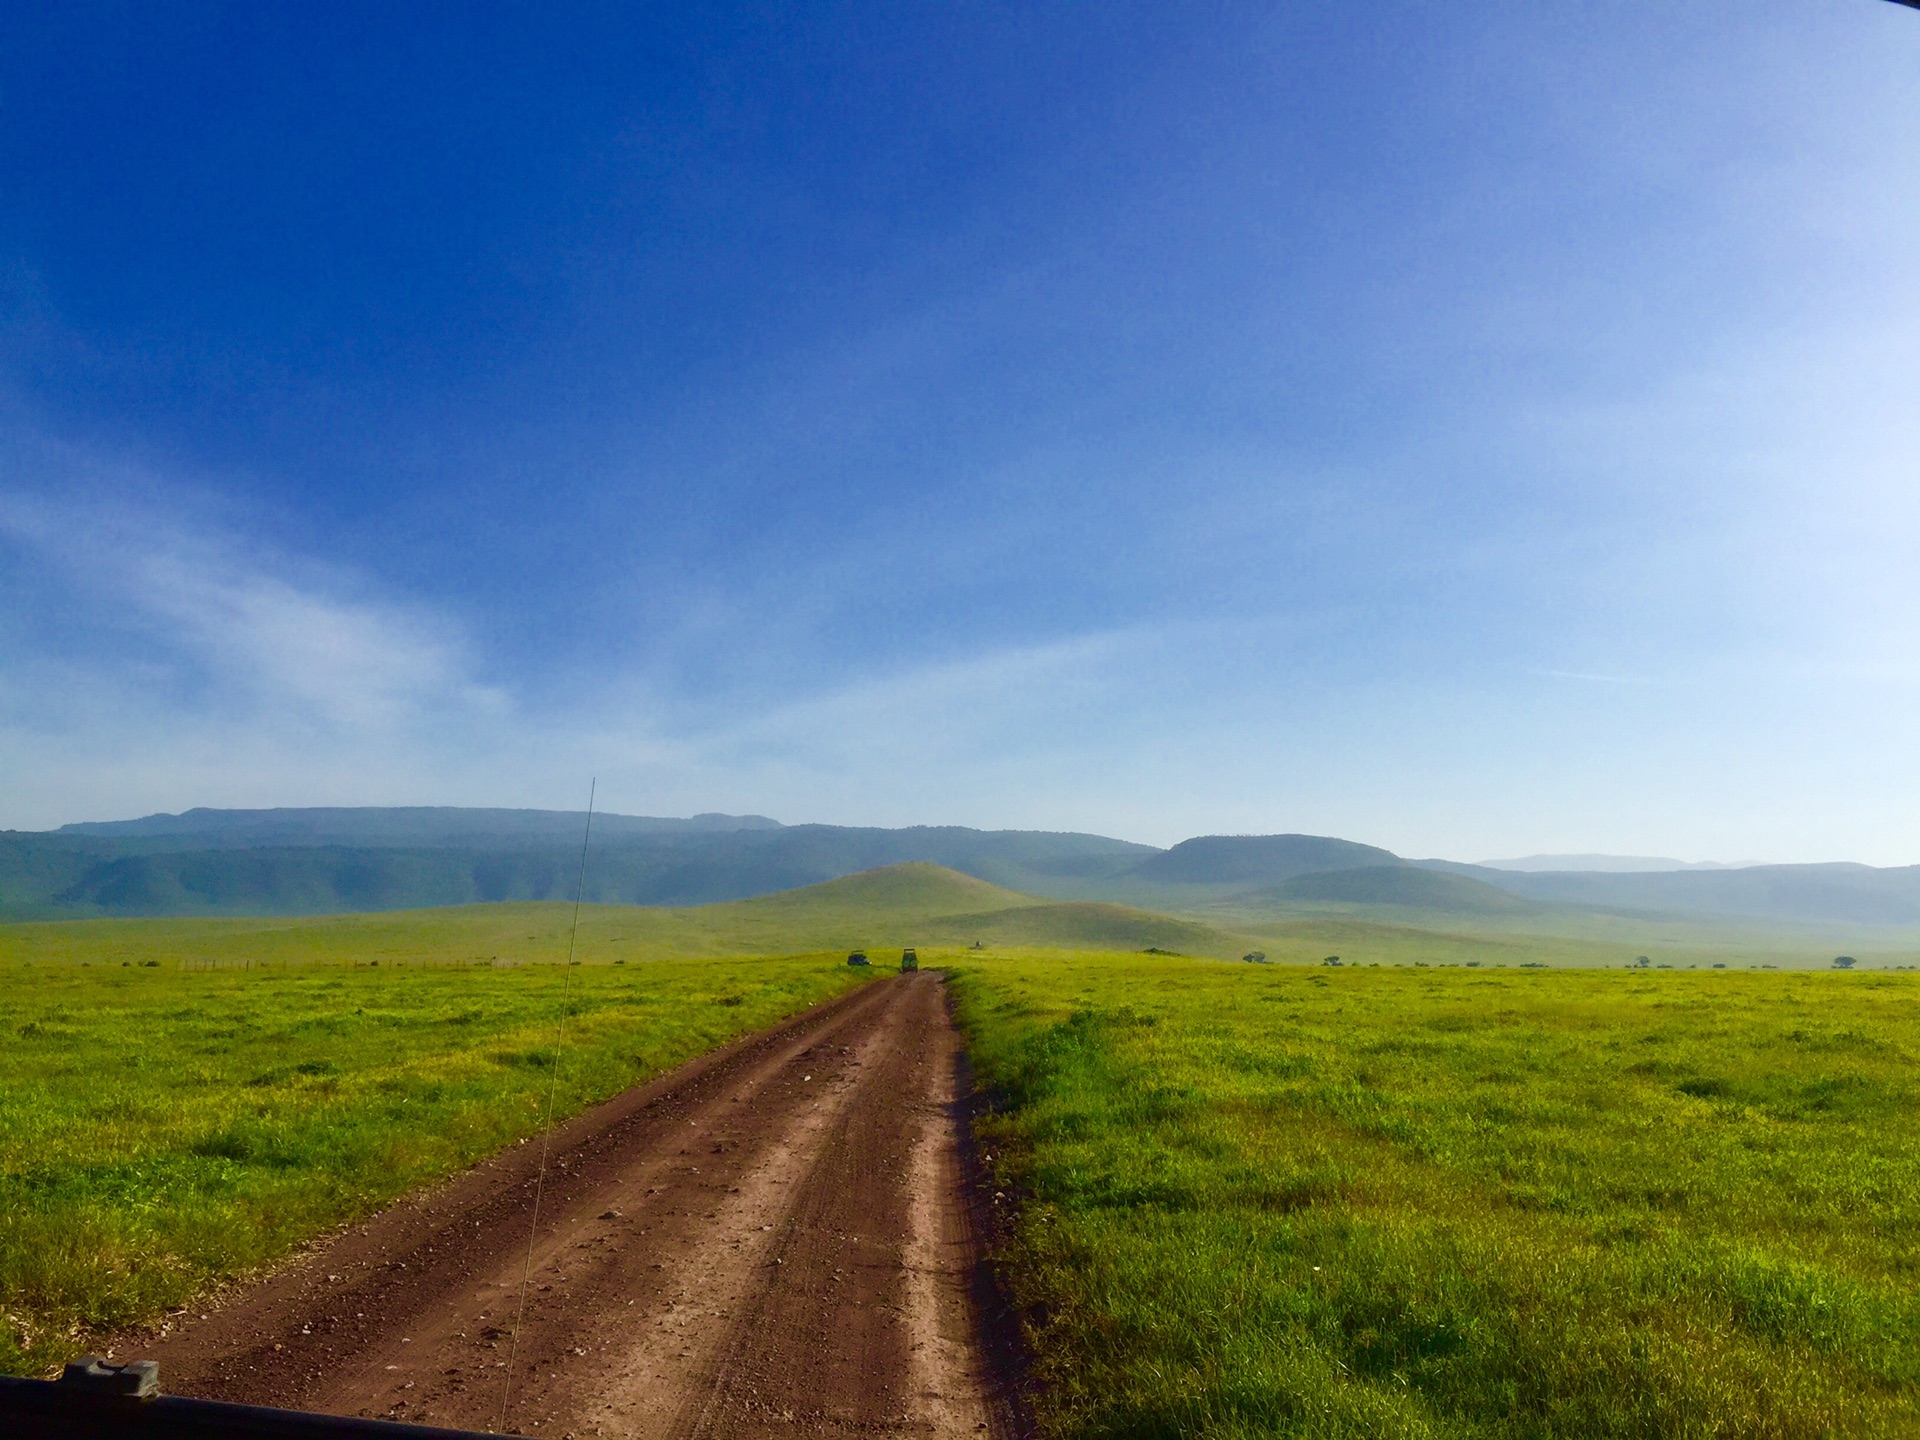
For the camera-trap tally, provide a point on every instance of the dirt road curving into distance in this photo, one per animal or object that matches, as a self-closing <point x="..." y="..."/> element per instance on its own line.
<point x="769" y="1241"/>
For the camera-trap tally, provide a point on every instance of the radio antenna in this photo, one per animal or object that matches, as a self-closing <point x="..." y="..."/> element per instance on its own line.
<point x="553" y="1089"/>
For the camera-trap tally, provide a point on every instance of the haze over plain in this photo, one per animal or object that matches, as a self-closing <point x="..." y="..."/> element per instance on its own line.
<point x="1478" y="433"/>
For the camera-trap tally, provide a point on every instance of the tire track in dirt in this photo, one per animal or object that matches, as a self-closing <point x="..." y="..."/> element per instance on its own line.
<point x="767" y="1241"/>
<point x="873" y="1269"/>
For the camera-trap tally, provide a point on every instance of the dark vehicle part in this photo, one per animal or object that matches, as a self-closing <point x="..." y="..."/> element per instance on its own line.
<point x="98" y="1400"/>
<point x="858" y="957"/>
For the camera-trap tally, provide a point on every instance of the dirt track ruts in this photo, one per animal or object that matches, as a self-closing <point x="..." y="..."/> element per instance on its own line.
<point x="769" y="1241"/>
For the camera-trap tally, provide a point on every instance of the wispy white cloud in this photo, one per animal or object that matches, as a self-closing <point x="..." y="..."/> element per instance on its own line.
<point x="158" y="655"/>
<point x="224" y="670"/>
<point x="271" y="630"/>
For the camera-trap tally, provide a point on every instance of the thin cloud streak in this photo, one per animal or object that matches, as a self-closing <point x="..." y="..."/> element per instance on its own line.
<point x="1594" y="676"/>
<point x="268" y="631"/>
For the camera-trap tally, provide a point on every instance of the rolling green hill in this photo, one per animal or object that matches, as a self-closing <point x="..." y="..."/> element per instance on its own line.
<point x="1403" y="886"/>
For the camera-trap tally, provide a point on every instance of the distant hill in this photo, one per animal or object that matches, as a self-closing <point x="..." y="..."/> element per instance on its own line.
<point x="1094" y="925"/>
<point x="1605" y="864"/>
<point x="1801" y="894"/>
<point x="1256" y="859"/>
<point x="1405" y="886"/>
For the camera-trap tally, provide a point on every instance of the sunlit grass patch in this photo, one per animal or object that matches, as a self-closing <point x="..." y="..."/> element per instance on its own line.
<point x="1262" y="1201"/>
<point x="163" y="1129"/>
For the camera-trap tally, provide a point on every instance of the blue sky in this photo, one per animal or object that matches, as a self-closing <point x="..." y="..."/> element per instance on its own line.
<point x="1469" y="429"/>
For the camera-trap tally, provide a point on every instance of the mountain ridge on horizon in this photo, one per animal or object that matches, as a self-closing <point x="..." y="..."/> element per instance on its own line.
<point x="1599" y="863"/>
<point x="331" y="823"/>
<point x="336" y="859"/>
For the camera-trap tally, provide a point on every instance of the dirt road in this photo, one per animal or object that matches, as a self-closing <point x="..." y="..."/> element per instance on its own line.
<point x="770" y="1241"/>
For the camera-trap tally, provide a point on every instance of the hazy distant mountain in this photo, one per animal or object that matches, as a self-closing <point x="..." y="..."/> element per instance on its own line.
<point x="1608" y="864"/>
<point x="280" y="862"/>
<point x="426" y="825"/>
<point x="1319" y="869"/>
<point x="311" y="862"/>
<point x="1803" y="894"/>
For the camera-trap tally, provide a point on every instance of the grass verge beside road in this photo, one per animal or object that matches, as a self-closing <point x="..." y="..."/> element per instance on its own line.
<point x="1393" y="1202"/>
<point x="164" y="1129"/>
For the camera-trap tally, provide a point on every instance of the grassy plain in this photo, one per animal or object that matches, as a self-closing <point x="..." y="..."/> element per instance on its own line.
<point x="1385" y="1202"/>
<point x="164" y="1128"/>
<point x="1465" y="1200"/>
<point x="913" y="904"/>
<point x="1393" y="934"/>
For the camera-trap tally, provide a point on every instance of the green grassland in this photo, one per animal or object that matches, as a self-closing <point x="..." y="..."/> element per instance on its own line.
<point x="1390" y="1201"/>
<point x="1426" y="1193"/>
<point x="182" y="1101"/>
